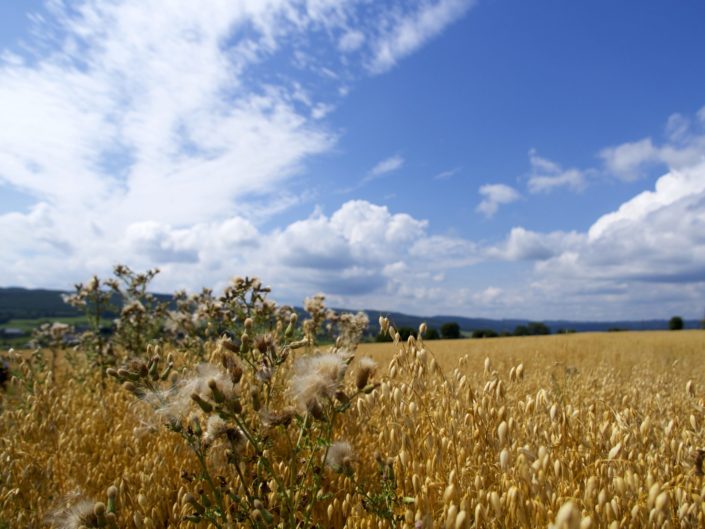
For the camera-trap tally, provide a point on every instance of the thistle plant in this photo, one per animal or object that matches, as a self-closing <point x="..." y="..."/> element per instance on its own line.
<point x="261" y="418"/>
<point x="142" y="315"/>
<point x="94" y="299"/>
<point x="197" y="320"/>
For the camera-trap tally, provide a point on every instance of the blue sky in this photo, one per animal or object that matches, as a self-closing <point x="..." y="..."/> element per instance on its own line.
<point x="495" y="158"/>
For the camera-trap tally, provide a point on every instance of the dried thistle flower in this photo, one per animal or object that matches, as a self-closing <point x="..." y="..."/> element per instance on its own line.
<point x="74" y="511"/>
<point x="277" y="418"/>
<point x="215" y="428"/>
<point x="365" y="369"/>
<point x="339" y="456"/>
<point x="317" y="378"/>
<point x="175" y="403"/>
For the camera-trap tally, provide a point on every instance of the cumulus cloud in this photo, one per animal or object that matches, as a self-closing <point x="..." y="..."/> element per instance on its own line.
<point x="644" y="259"/>
<point x="356" y="249"/>
<point x="523" y="245"/>
<point x="647" y="250"/>
<point x="684" y="147"/>
<point x="495" y="195"/>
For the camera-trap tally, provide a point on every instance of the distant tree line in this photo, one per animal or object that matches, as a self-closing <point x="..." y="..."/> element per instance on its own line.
<point x="532" y="328"/>
<point x="448" y="331"/>
<point x="451" y="331"/>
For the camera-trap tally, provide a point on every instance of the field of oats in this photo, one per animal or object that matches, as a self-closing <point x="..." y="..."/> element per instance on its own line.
<point x="259" y="426"/>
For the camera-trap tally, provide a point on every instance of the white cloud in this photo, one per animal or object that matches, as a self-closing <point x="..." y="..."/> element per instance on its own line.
<point x="572" y="178"/>
<point x="522" y="245"/>
<point x="488" y="296"/>
<point x="388" y="165"/>
<point x="685" y="147"/>
<point x="701" y="115"/>
<point x="139" y="135"/>
<point x="351" y="41"/>
<point x="444" y="252"/>
<point x="353" y="251"/>
<point x="495" y="195"/>
<point x="152" y="140"/>
<point x="410" y="31"/>
<point x="445" y="175"/>
<point x="321" y="110"/>
<point x="547" y="175"/>
<point x="651" y="248"/>
<point x="627" y="160"/>
<point x="645" y="259"/>
<point x="669" y="189"/>
<point x="677" y="127"/>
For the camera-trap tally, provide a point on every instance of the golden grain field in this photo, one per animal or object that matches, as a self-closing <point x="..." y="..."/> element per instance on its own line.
<point x="583" y="430"/>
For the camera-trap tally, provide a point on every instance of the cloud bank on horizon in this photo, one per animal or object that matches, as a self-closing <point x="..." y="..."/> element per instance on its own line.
<point x="186" y="141"/>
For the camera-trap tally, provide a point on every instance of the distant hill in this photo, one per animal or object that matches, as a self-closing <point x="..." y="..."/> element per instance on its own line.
<point x="22" y="303"/>
<point x="508" y="325"/>
<point x="25" y="303"/>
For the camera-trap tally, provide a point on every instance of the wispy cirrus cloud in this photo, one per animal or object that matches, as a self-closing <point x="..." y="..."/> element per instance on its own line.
<point x="445" y="175"/>
<point x="137" y="136"/>
<point x="388" y="165"/>
<point x="410" y="31"/>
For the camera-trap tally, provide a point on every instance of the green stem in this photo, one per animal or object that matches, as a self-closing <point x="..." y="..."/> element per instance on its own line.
<point x="314" y="484"/>
<point x="266" y="462"/>
<point x="216" y="491"/>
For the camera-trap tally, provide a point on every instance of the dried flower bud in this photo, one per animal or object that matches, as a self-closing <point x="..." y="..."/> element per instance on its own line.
<point x="193" y="502"/>
<point x="316" y="410"/>
<point x="218" y="395"/>
<point x="129" y="386"/>
<point x="204" y="405"/>
<point x="229" y="345"/>
<point x="112" y="496"/>
<point x="129" y="375"/>
<point x="99" y="511"/>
